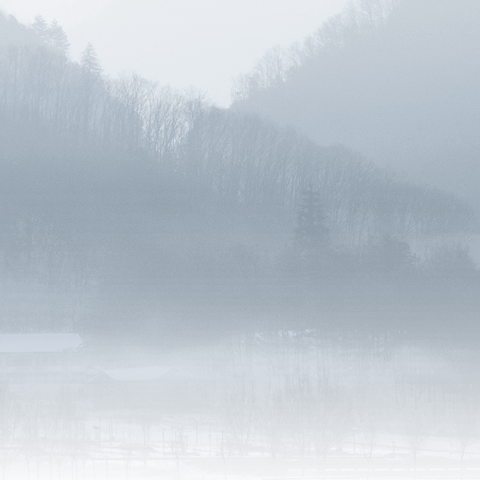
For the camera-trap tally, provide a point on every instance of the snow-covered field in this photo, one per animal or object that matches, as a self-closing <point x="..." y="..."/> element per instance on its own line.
<point x="203" y="437"/>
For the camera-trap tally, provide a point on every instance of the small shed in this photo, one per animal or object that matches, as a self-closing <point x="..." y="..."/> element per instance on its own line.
<point x="163" y="388"/>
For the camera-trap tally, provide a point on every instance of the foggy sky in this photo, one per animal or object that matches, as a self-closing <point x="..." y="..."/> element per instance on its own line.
<point x="200" y="43"/>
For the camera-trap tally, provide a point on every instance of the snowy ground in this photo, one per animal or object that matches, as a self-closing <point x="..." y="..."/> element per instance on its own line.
<point x="116" y="470"/>
<point x="204" y="437"/>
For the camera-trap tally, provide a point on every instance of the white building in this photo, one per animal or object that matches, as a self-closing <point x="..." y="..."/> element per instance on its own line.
<point x="42" y="362"/>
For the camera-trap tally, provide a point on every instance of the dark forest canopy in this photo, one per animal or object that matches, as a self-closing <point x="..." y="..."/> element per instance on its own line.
<point x="114" y="192"/>
<point x="395" y="80"/>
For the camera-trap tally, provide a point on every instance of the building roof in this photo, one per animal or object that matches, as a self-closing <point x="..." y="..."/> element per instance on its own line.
<point x="138" y="373"/>
<point x="39" y="342"/>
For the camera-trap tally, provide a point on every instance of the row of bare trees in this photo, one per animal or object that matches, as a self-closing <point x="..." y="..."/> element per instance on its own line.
<point x="54" y="437"/>
<point x="278" y="63"/>
<point x="300" y="413"/>
<point x="233" y="158"/>
<point x="41" y="432"/>
<point x="296" y="425"/>
<point x="304" y="412"/>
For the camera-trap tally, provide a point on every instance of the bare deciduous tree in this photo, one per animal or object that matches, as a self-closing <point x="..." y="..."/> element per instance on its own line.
<point x="271" y="423"/>
<point x="145" y="422"/>
<point x="10" y="424"/>
<point x="298" y="402"/>
<point x="30" y="438"/>
<point x="239" y="414"/>
<point x="330" y="418"/>
<point x="465" y="432"/>
<point x="416" y="435"/>
<point x="369" y="440"/>
<point x="225" y="452"/>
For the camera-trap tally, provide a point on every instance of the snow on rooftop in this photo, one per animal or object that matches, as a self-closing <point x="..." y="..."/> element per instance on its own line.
<point x="39" y="342"/>
<point x="138" y="373"/>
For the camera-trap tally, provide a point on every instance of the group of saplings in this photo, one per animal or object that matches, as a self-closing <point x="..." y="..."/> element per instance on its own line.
<point x="305" y="413"/>
<point x="41" y="432"/>
<point x="301" y="413"/>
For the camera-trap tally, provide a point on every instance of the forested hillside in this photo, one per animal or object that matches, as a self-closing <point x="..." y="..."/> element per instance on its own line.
<point x="13" y="31"/>
<point x="395" y="80"/>
<point x="124" y="203"/>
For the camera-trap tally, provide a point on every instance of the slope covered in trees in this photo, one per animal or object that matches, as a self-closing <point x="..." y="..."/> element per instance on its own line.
<point x="124" y="202"/>
<point x="13" y="31"/>
<point x="393" y="79"/>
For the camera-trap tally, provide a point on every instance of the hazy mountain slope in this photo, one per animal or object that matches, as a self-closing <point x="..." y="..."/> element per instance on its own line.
<point x="11" y="31"/>
<point x="124" y="203"/>
<point x="403" y="92"/>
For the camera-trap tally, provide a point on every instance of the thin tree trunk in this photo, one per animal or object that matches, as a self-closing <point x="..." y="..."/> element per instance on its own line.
<point x="414" y="465"/>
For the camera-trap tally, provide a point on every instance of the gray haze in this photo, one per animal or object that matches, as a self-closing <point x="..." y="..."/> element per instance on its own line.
<point x="189" y="291"/>
<point x="399" y="88"/>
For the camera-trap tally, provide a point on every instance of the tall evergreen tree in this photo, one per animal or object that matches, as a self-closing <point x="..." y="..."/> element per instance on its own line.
<point x="311" y="233"/>
<point x="90" y="62"/>
<point x="311" y="255"/>
<point x="58" y="38"/>
<point x="41" y="28"/>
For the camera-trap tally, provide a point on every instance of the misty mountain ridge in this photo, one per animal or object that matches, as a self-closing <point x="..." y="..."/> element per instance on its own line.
<point x="122" y="200"/>
<point x="393" y="80"/>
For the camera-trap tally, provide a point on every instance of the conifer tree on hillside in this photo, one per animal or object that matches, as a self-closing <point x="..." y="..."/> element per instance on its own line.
<point x="41" y="28"/>
<point x="90" y="80"/>
<point x="58" y="37"/>
<point x="311" y="234"/>
<point x="90" y="62"/>
<point x="310" y="258"/>
<point x="52" y="35"/>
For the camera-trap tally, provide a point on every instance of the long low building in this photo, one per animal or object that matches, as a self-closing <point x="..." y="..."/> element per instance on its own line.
<point x="42" y="362"/>
<point x="166" y="387"/>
